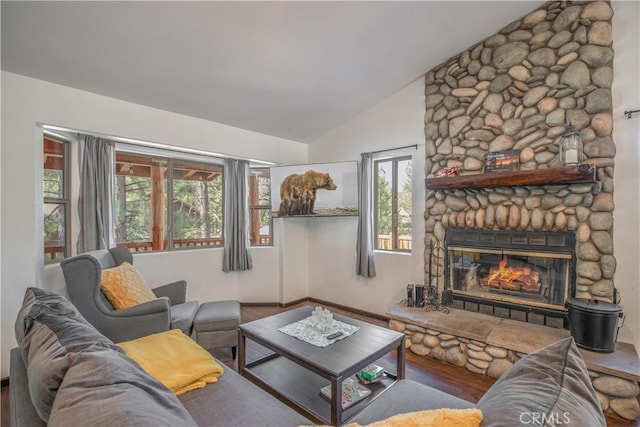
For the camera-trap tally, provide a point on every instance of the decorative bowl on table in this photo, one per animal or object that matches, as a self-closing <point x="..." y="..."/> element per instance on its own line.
<point x="322" y="320"/>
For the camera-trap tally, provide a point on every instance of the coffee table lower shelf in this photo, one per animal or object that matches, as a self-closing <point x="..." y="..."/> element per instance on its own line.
<point x="299" y="388"/>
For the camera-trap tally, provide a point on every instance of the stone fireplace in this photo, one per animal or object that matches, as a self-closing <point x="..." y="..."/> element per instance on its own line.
<point x="516" y="90"/>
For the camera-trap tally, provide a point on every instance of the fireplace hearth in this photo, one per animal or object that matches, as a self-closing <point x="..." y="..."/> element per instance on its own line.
<point x="519" y="275"/>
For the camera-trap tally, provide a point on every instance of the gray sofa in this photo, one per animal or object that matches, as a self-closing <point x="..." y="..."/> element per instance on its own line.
<point x="221" y="404"/>
<point x="66" y="373"/>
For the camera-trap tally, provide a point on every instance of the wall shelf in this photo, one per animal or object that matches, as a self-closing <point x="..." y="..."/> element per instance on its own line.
<point x="584" y="173"/>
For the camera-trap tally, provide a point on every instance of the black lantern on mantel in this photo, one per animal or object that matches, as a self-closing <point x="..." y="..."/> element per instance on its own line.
<point x="571" y="147"/>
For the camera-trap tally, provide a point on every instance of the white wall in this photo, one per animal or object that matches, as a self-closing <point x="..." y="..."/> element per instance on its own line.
<point x="27" y="102"/>
<point x="626" y="134"/>
<point x="395" y="122"/>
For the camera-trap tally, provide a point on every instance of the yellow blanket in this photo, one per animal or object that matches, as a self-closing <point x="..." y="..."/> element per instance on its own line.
<point x="434" y="418"/>
<point x="175" y="360"/>
<point x="429" y="418"/>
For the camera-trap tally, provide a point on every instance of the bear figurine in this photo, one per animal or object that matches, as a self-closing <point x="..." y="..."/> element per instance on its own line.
<point x="300" y="189"/>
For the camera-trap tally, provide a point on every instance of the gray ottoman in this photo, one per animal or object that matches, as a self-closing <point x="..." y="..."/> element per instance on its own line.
<point x="216" y="325"/>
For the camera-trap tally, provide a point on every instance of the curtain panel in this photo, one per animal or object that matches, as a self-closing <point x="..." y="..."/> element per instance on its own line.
<point x="95" y="207"/>
<point x="237" y="252"/>
<point x="365" y="265"/>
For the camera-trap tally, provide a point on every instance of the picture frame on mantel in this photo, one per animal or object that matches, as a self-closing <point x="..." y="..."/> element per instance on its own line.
<point x="502" y="161"/>
<point x="315" y="190"/>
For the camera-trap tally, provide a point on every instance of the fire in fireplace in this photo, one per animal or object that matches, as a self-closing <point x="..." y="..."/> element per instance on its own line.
<point x="521" y="278"/>
<point x="521" y="275"/>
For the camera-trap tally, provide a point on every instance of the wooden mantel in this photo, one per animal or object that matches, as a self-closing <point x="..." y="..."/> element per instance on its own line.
<point x="584" y="173"/>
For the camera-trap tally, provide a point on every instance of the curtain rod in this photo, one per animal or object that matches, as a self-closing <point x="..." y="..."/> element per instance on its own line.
<point x="397" y="148"/>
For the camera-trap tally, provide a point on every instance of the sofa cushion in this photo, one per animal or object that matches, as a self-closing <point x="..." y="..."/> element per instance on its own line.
<point x="39" y="296"/>
<point x="235" y="401"/>
<point x="175" y="360"/>
<point x="104" y="387"/>
<point x="52" y="331"/>
<point x="548" y="387"/>
<point x="124" y="287"/>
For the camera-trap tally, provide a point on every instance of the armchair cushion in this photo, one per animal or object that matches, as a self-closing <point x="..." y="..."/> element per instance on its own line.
<point x="124" y="287"/>
<point x="182" y="316"/>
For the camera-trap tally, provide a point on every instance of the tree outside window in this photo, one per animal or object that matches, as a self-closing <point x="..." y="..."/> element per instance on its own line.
<point x="197" y="204"/>
<point x="393" y="204"/>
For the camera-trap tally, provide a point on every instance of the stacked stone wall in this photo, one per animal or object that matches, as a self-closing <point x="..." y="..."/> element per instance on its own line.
<point x="516" y="90"/>
<point x="616" y="395"/>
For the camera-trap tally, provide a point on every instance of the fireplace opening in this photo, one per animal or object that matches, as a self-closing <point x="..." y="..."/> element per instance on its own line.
<point x="524" y="276"/>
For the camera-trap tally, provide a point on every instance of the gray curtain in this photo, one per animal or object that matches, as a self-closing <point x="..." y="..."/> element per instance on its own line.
<point x="365" y="266"/>
<point x="237" y="253"/>
<point x="95" y="207"/>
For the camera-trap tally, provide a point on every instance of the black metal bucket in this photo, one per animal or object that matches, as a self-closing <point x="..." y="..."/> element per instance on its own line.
<point x="594" y="324"/>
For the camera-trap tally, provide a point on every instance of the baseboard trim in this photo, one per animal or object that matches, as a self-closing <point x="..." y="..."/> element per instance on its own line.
<point x="260" y="304"/>
<point x="351" y="309"/>
<point x="294" y="302"/>
<point x="317" y="301"/>
<point x="274" y="304"/>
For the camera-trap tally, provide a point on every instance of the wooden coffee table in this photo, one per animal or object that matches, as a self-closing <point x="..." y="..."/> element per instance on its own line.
<point x="294" y="371"/>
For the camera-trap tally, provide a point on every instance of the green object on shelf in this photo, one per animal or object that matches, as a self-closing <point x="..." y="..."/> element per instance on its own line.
<point x="372" y="372"/>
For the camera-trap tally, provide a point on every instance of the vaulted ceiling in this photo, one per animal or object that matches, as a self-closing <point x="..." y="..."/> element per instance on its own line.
<point x="294" y="70"/>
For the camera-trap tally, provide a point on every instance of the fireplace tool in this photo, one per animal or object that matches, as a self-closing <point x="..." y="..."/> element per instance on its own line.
<point x="410" y="299"/>
<point x="432" y="297"/>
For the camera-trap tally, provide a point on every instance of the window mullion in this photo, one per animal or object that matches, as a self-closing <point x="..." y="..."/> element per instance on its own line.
<point x="376" y="207"/>
<point x="169" y="203"/>
<point x="66" y="186"/>
<point x="394" y="204"/>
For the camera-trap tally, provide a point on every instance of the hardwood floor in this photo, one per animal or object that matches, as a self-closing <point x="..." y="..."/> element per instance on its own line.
<point x="441" y="375"/>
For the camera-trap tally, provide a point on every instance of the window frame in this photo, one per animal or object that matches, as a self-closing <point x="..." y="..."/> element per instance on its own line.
<point x="65" y="200"/>
<point x="260" y="207"/>
<point x="170" y="159"/>
<point x="394" y="203"/>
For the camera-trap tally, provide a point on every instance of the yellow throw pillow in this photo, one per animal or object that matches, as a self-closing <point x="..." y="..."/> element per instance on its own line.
<point x="175" y="360"/>
<point x="124" y="287"/>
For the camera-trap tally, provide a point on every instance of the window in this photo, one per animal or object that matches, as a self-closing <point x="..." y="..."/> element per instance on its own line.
<point x="393" y="204"/>
<point x="55" y="190"/>
<point x="145" y="184"/>
<point x="140" y="198"/>
<point x="260" y="220"/>
<point x="197" y="204"/>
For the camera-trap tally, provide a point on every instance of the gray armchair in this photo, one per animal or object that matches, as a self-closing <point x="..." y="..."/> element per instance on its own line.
<point x="83" y="274"/>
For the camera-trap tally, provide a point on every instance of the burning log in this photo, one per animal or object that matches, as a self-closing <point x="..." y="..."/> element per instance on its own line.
<point x="518" y="279"/>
